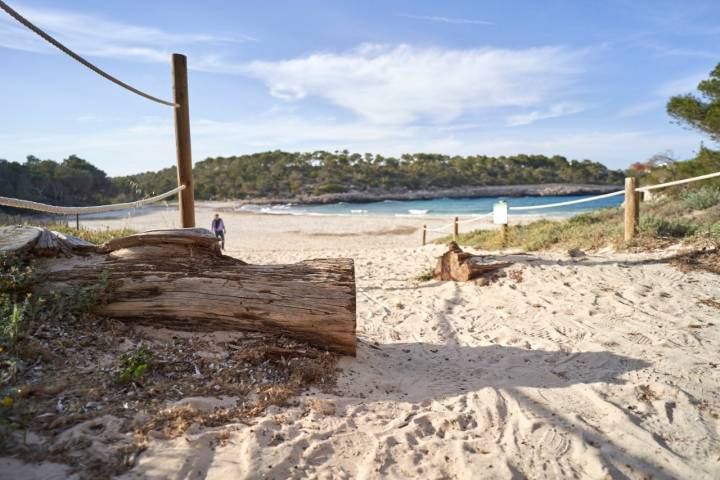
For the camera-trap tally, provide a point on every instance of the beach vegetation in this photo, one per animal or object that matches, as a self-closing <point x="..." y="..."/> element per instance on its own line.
<point x="134" y="364"/>
<point x="662" y="222"/>
<point x="702" y="198"/>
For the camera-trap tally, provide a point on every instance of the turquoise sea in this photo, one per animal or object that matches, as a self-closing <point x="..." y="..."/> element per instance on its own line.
<point x="438" y="207"/>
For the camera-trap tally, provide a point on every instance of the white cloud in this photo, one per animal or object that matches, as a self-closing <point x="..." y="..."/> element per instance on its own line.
<point x="451" y="20"/>
<point x="96" y="36"/>
<point x="401" y="84"/>
<point x="557" y="110"/>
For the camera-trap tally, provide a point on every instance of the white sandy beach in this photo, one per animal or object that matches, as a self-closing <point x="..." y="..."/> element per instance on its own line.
<point x="604" y="366"/>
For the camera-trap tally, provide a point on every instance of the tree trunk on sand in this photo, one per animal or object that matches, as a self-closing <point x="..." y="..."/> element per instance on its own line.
<point x="462" y="266"/>
<point x="179" y="279"/>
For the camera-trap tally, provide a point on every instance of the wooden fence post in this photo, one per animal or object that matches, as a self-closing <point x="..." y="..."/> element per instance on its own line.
<point x="455" y="229"/>
<point x="503" y="233"/>
<point x="632" y="208"/>
<point x="182" y="140"/>
<point x="424" y="234"/>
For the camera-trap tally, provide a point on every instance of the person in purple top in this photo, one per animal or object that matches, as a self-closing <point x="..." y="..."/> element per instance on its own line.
<point x="218" y="228"/>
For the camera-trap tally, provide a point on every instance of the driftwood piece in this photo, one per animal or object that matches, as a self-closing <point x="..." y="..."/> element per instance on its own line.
<point x="463" y="266"/>
<point x="179" y="279"/>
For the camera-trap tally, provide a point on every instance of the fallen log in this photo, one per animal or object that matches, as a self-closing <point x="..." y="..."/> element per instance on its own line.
<point x="180" y="279"/>
<point x="463" y="266"/>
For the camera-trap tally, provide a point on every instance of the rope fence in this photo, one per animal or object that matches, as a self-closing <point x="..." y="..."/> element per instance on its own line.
<point x="570" y="202"/>
<point x="42" y="207"/>
<point x="45" y="36"/>
<point x="630" y="223"/>
<point x="181" y="115"/>
<point x="678" y="182"/>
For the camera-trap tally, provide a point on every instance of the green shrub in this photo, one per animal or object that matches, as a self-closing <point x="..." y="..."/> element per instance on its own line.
<point x="674" y="228"/>
<point x="15" y="305"/>
<point x="702" y="198"/>
<point x="135" y="364"/>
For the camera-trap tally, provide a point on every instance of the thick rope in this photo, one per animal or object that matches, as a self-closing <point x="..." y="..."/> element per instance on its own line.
<point x="571" y="202"/>
<point x="678" y="182"/>
<point x="463" y="222"/>
<point x="78" y="58"/>
<point x="474" y="219"/>
<point x="42" y="207"/>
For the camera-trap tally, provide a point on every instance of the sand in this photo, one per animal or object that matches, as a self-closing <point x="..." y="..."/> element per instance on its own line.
<point x="604" y="366"/>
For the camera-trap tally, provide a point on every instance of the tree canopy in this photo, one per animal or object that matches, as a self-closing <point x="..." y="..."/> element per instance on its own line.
<point x="288" y="175"/>
<point x="701" y="112"/>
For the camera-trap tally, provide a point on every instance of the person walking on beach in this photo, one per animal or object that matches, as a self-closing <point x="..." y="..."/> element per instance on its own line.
<point x="218" y="228"/>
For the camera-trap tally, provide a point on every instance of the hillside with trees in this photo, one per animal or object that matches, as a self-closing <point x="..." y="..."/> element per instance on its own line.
<point x="287" y="175"/>
<point x="290" y="175"/>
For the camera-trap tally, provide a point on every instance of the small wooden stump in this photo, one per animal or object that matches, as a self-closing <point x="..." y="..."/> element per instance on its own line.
<point x="462" y="266"/>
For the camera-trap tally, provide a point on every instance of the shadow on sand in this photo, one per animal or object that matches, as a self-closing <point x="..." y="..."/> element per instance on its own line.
<point x="415" y="372"/>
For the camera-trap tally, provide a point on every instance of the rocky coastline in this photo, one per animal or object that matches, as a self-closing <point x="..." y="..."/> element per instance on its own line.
<point x="355" y="196"/>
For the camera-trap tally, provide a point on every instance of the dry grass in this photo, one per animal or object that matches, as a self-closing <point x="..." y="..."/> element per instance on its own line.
<point x="78" y="382"/>
<point x="662" y="223"/>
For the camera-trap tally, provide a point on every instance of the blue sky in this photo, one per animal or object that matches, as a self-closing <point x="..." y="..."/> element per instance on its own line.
<point x="584" y="79"/>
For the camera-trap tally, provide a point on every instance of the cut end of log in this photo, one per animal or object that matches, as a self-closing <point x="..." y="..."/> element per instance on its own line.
<point x="460" y="266"/>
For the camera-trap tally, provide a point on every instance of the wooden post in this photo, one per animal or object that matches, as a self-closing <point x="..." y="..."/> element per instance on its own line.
<point x="182" y="140"/>
<point x="503" y="233"/>
<point x="632" y="208"/>
<point x="77" y="221"/>
<point x="424" y="234"/>
<point x="455" y="229"/>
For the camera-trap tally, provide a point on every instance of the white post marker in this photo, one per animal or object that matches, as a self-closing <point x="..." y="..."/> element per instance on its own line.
<point x="500" y="213"/>
<point x="500" y="217"/>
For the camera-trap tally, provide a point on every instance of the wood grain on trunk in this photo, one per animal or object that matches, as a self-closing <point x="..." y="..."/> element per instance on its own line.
<point x="179" y="279"/>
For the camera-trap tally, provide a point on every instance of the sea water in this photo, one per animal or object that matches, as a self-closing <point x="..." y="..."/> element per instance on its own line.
<point x="440" y="206"/>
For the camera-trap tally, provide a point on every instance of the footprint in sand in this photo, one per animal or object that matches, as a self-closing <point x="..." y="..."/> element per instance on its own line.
<point x="638" y="338"/>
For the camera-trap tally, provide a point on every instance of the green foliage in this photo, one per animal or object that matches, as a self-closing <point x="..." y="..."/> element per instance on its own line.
<point x="706" y="161"/>
<point x="702" y="198"/>
<point x="661" y="227"/>
<point x="15" y="309"/>
<point x="668" y="220"/>
<point x="288" y="175"/>
<point x="74" y="181"/>
<point x="10" y="325"/>
<point x="135" y="364"/>
<point x="701" y="112"/>
<point x="15" y="305"/>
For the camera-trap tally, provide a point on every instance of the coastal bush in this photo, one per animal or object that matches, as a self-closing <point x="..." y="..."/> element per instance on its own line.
<point x="660" y="227"/>
<point x="702" y="198"/>
<point x="133" y="365"/>
<point x="666" y="220"/>
<point x="588" y="230"/>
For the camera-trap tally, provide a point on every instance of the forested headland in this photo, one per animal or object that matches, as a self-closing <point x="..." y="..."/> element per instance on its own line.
<point x="288" y="175"/>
